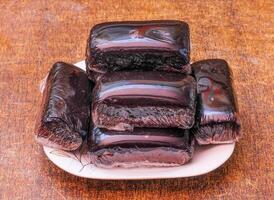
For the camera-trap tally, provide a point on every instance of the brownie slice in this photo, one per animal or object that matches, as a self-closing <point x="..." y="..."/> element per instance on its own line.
<point x="124" y="100"/>
<point x="65" y="112"/>
<point x="139" y="46"/>
<point x="217" y="120"/>
<point x="145" y="147"/>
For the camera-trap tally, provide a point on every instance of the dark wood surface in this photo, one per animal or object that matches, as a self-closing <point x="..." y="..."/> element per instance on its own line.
<point x="35" y="34"/>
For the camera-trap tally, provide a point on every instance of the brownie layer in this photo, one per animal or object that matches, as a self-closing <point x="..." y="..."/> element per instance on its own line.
<point x="124" y="100"/>
<point x="217" y="120"/>
<point x="143" y="147"/>
<point x="139" y="46"/>
<point x="65" y="114"/>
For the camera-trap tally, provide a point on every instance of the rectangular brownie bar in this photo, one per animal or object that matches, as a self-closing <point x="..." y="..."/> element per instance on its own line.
<point x="143" y="148"/>
<point x="217" y="120"/>
<point x="124" y="100"/>
<point x="140" y="46"/>
<point x="65" y="114"/>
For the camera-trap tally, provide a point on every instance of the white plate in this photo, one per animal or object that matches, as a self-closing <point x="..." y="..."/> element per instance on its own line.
<point x="206" y="159"/>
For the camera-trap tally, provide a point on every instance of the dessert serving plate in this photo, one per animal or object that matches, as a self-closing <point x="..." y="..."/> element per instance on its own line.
<point x="205" y="159"/>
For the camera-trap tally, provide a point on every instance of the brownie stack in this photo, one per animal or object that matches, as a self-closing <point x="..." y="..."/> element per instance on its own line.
<point x="148" y="104"/>
<point x="143" y="100"/>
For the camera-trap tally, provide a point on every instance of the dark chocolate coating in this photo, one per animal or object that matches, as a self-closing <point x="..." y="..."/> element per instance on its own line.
<point x="143" y="147"/>
<point x="65" y="114"/>
<point x="217" y="120"/>
<point x="140" y="46"/>
<point x="124" y="100"/>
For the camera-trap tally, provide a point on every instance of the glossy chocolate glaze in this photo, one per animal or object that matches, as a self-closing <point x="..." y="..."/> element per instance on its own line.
<point x="150" y="45"/>
<point x="65" y="114"/>
<point x="143" y="147"/>
<point x="123" y="100"/>
<point x="216" y="104"/>
<point x="140" y="137"/>
<point x="171" y="88"/>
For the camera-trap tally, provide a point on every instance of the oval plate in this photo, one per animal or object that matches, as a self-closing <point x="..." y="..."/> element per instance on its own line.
<point x="205" y="159"/>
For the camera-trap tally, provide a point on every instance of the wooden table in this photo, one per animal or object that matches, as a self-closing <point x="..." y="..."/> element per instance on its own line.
<point x="35" y="34"/>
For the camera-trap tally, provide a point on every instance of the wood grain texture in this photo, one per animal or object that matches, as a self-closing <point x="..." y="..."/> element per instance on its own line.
<point x="35" y="34"/>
